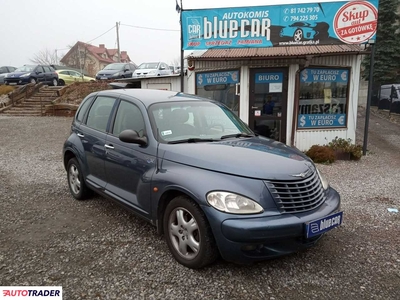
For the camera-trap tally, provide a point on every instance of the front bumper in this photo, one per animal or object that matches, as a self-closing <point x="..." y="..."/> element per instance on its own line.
<point x="16" y="80"/>
<point x="246" y="239"/>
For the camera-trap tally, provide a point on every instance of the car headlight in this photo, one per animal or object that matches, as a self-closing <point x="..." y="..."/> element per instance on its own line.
<point x="26" y="75"/>
<point x="116" y="74"/>
<point x="233" y="203"/>
<point x="324" y="181"/>
<point x="152" y="72"/>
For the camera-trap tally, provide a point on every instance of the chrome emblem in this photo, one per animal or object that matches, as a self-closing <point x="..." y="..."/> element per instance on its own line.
<point x="302" y="175"/>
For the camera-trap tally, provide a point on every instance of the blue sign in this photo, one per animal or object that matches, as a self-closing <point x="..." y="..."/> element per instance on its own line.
<point x="321" y="120"/>
<point x="269" y="77"/>
<point x="323" y="225"/>
<point x="324" y="75"/>
<point x="212" y="78"/>
<point x="327" y="23"/>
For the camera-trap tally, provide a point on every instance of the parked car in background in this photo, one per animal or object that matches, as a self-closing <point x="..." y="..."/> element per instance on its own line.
<point x="196" y="171"/>
<point x="389" y="97"/>
<point x="66" y="77"/>
<point x="4" y="71"/>
<point x="32" y="74"/>
<point x="152" y="69"/>
<point x="116" y="71"/>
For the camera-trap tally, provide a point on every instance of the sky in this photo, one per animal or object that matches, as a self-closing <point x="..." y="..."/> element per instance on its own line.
<point x="29" y="27"/>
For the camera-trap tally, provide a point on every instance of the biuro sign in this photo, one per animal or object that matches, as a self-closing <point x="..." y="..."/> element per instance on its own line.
<point x="327" y="23"/>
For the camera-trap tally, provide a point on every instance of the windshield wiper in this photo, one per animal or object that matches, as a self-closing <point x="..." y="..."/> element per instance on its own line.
<point x="236" y="135"/>
<point x="191" y="140"/>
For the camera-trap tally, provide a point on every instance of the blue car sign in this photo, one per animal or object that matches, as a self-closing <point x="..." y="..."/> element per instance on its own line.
<point x="322" y="225"/>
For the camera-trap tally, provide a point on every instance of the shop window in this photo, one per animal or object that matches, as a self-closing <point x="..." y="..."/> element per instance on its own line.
<point x="323" y="99"/>
<point x="221" y="86"/>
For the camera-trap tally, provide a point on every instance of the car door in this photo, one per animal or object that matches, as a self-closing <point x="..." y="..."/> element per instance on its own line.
<point x="93" y="133"/>
<point x="48" y="75"/>
<point x="129" y="166"/>
<point x="39" y="74"/>
<point x="75" y="76"/>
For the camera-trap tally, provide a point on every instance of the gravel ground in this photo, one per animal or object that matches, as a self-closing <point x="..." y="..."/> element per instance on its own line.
<point x="97" y="250"/>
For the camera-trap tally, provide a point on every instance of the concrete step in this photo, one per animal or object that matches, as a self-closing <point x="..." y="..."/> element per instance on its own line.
<point x="23" y="108"/>
<point x="21" y="113"/>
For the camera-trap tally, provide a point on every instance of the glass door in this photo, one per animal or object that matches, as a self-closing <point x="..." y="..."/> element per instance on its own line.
<point x="268" y="103"/>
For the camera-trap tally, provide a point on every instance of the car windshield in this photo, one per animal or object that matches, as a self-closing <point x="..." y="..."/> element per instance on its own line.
<point x="148" y="66"/>
<point x="114" y="67"/>
<point x="195" y="121"/>
<point x="25" y="69"/>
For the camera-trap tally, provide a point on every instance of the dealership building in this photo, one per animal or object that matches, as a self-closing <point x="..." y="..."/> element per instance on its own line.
<point x="299" y="95"/>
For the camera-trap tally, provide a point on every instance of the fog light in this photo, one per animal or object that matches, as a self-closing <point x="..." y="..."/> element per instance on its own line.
<point x="249" y="247"/>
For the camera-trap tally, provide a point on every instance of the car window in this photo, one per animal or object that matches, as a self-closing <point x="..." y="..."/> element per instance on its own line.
<point x="83" y="109"/>
<point x="128" y="116"/>
<point x="385" y="92"/>
<point x="73" y="73"/>
<point x="64" y="72"/>
<point x="133" y="68"/>
<point x="100" y="112"/>
<point x="47" y="69"/>
<point x="39" y="69"/>
<point x="3" y="70"/>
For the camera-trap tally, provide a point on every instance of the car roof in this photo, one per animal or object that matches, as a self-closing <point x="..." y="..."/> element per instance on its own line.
<point x="149" y="96"/>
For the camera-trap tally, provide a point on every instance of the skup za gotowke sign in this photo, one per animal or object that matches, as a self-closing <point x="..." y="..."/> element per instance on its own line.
<point x="349" y="22"/>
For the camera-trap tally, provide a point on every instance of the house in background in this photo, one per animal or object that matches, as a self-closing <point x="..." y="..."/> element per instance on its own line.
<point x="91" y="59"/>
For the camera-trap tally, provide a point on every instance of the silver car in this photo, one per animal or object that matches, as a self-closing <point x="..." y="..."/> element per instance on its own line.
<point x="152" y="69"/>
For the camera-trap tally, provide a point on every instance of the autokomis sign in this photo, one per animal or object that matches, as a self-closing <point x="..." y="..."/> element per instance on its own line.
<point x="350" y="22"/>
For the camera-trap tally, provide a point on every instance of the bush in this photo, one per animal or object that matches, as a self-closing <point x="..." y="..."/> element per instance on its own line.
<point x="6" y="89"/>
<point x="346" y="146"/>
<point x="321" y="154"/>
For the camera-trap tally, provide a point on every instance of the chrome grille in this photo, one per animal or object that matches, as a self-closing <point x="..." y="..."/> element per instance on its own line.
<point x="294" y="196"/>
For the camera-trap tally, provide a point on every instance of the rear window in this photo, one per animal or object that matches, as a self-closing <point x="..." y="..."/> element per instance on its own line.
<point x="83" y="108"/>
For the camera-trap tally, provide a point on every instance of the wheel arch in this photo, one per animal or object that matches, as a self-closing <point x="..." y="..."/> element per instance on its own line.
<point x="68" y="155"/>
<point x="166" y="198"/>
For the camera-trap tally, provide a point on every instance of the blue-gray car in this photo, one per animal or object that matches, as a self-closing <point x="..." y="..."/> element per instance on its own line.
<point x="199" y="174"/>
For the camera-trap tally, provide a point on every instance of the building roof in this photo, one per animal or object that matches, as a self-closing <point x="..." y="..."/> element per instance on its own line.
<point x="277" y="52"/>
<point x="98" y="51"/>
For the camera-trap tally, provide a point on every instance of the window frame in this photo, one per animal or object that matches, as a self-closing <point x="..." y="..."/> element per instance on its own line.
<point x="297" y="97"/>
<point x="115" y="112"/>
<point x="89" y="99"/>
<point x="112" y="113"/>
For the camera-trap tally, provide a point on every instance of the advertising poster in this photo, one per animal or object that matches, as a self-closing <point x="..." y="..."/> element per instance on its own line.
<point x="327" y="23"/>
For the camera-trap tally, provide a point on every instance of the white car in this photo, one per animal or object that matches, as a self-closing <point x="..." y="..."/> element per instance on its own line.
<point x="152" y="69"/>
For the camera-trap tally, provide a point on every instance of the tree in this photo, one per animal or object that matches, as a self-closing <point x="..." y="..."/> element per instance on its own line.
<point x="387" y="51"/>
<point x="46" y="57"/>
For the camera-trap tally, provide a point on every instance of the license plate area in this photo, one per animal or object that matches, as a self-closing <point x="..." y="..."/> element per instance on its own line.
<point x="322" y="225"/>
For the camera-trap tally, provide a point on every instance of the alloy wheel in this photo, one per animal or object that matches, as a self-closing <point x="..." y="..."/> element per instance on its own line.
<point x="184" y="233"/>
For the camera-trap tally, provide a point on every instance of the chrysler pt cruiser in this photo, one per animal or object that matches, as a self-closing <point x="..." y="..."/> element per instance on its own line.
<point x="199" y="174"/>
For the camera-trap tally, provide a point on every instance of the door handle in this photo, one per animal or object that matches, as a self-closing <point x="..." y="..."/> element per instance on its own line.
<point x="80" y="135"/>
<point x="254" y="107"/>
<point x="109" y="146"/>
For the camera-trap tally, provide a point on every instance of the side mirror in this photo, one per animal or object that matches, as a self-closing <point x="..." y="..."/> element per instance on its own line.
<point x="126" y="70"/>
<point x="162" y="68"/>
<point x="38" y="72"/>
<point x="132" y="137"/>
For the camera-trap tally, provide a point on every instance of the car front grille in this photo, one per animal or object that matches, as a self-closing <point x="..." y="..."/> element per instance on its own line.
<point x="294" y="196"/>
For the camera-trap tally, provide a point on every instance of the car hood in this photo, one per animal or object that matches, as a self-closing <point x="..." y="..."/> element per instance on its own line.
<point x="248" y="157"/>
<point x="108" y="72"/>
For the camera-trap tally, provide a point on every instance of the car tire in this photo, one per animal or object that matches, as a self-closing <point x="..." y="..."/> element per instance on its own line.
<point x="188" y="234"/>
<point x="298" y="35"/>
<point x="32" y="80"/>
<point x="76" y="182"/>
<point x="61" y="82"/>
